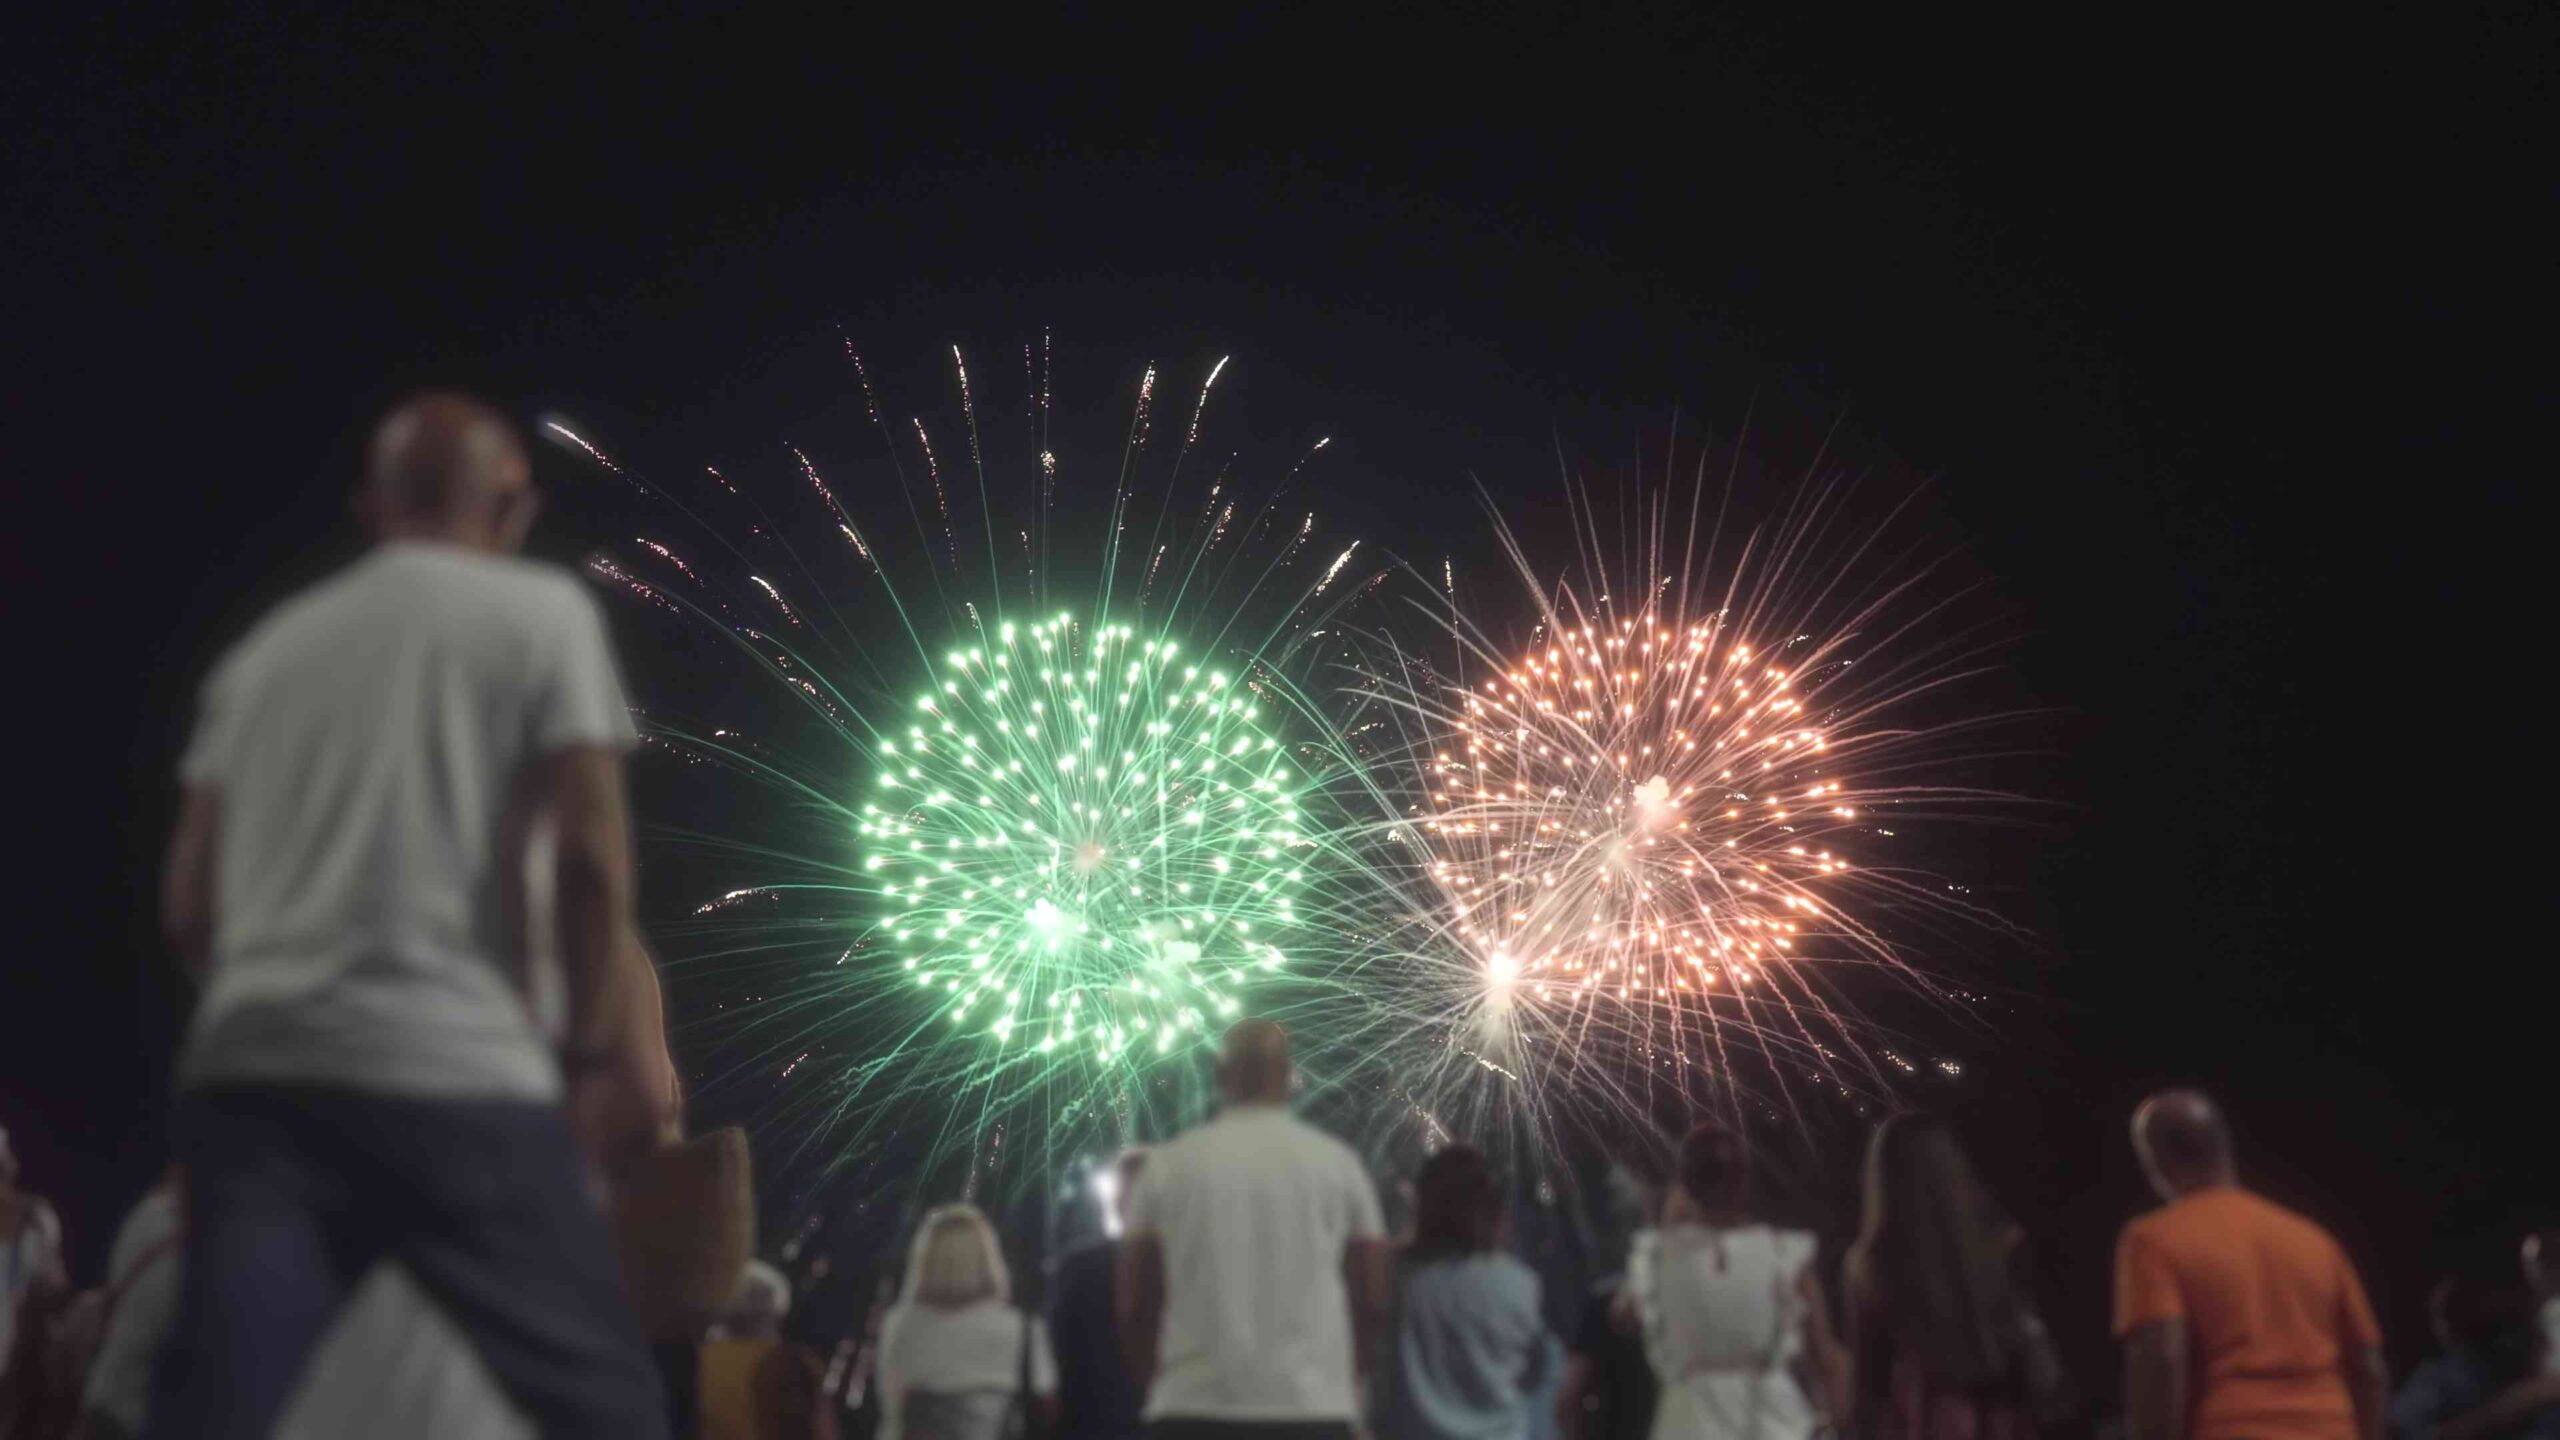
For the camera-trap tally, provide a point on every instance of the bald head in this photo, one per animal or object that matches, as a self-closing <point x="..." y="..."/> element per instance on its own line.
<point x="2183" y="1142"/>
<point x="446" y="466"/>
<point x="1253" y="1065"/>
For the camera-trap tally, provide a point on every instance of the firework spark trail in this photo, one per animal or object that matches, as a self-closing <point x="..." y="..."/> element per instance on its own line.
<point x="941" y="500"/>
<point x="1146" y="401"/>
<point x="968" y="410"/>
<point x="1303" y="459"/>
<point x="671" y="557"/>
<point x="767" y="587"/>
<point x="870" y="402"/>
<point x="1306" y="528"/>
<point x="1336" y="567"/>
<point x="1193" y="437"/>
<point x="574" y="438"/>
<point x="844" y="522"/>
<point x="606" y="570"/>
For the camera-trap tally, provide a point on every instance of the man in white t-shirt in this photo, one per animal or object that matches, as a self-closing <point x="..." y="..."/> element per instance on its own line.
<point x="1254" y="1272"/>
<point x="363" y="1078"/>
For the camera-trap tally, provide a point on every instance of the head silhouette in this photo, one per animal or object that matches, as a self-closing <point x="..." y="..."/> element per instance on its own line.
<point x="1715" y="1169"/>
<point x="2183" y="1142"/>
<point x="1253" y="1065"/>
<point x="447" y="467"/>
<point x="1457" y="1205"/>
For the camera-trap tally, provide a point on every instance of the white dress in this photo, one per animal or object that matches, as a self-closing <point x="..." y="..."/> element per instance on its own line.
<point x="1723" y="1321"/>
<point x="955" y="1374"/>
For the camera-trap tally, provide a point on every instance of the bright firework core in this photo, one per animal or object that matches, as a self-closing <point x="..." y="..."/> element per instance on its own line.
<point x="1634" y="816"/>
<point x="1084" y="840"/>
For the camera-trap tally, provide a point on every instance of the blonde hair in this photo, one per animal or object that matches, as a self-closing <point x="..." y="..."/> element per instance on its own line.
<point x="955" y="1260"/>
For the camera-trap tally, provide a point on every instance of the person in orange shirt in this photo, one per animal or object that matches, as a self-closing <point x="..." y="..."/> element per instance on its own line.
<point x="2240" y="1319"/>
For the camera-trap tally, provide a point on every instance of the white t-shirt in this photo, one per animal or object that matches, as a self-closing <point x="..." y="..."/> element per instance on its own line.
<point x="363" y="739"/>
<point x="1255" y="1210"/>
<point x="969" y="1359"/>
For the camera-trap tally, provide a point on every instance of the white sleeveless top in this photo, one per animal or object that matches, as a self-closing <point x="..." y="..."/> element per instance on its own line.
<point x="1722" y="1324"/>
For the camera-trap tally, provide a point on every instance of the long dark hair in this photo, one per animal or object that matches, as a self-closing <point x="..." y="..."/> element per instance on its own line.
<point x="1457" y="1206"/>
<point x="1936" y="1266"/>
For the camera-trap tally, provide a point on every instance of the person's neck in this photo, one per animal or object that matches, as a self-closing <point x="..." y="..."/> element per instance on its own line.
<point x="1257" y="1102"/>
<point x="435" y="536"/>
<point x="2219" y="1180"/>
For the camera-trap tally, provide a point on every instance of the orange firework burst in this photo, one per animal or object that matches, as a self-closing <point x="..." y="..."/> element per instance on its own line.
<point x="1659" y="840"/>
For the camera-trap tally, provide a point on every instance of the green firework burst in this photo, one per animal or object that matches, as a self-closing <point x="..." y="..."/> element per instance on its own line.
<point x="996" y="825"/>
<point x="1085" y="841"/>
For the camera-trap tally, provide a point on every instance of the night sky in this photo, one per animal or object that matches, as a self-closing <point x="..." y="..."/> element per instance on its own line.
<point x="2203" y="342"/>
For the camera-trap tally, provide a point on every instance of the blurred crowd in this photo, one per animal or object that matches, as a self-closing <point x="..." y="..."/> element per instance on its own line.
<point x="431" y="1177"/>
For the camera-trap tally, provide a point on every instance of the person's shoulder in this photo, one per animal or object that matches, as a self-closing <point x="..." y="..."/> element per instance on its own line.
<point x="518" y="581"/>
<point x="288" y="622"/>
<point x="1794" y="1247"/>
<point x="1333" y="1148"/>
<point x="1093" y="1257"/>
<point x="2153" y="1227"/>
<point x="2226" y="1205"/>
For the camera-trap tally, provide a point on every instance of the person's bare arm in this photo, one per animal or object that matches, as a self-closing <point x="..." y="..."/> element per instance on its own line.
<point x="2516" y="1402"/>
<point x="1825" y="1356"/>
<point x="2368" y="1377"/>
<point x="1368" y="1280"/>
<point x="2155" y="1381"/>
<point x="186" y="882"/>
<point x="1137" y="1306"/>
<point x="621" y="1087"/>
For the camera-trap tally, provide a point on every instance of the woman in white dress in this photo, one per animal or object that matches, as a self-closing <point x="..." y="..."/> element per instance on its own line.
<point x="1734" y="1316"/>
<point x="957" y="1360"/>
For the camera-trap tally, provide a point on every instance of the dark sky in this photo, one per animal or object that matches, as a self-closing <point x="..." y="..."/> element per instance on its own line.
<point x="2202" y="334"/>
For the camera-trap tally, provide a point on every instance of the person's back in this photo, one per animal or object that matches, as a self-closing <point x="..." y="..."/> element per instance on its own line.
<point x="1470" y="1357"/>
<point x="1723" y="1321"/>
<point x="1471" y="1350"/>
<point x="960" y="1372"/>
<point x="1096" y="1400"/>
<point x="1254" y="1210"/>
<point x="2270" y="1304"/>
<point x="367" y="736"/>
<point x="1731" y="1306"/>
<point x="2240" y="1319"/>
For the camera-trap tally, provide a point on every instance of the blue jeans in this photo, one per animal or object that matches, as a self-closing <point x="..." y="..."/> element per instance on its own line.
<point x="293" y="1194"/>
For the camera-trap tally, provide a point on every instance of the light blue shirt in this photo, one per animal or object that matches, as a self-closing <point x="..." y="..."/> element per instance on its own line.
<point x="1472" y="1355"/>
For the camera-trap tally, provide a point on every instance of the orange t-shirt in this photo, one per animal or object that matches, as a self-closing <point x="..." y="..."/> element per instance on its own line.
<point x="2272" y="1310"/>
